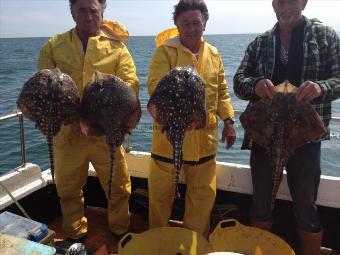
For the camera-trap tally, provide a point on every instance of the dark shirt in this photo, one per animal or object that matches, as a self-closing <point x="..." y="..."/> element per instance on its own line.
<point x="292" y="71"/>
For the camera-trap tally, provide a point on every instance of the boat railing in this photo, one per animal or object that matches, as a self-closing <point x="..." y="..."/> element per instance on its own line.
<point x="128" y="146"/>
<point x="19" y="115"/>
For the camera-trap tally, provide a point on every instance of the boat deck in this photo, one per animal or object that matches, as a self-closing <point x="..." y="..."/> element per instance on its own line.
<point x="98" y="230"/>
<point x="99" y="235"/>
<point x="228" y="205"/>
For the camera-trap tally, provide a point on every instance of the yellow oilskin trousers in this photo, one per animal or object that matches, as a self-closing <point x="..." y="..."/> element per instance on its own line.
<point x="71" y="171"/>
<point x="199" y="198"/>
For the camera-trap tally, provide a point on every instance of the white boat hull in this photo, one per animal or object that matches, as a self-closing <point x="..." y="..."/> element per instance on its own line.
<point x="230" y="177"/>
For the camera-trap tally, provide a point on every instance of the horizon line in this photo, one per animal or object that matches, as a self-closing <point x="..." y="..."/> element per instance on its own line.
<point x="25" y="37"/>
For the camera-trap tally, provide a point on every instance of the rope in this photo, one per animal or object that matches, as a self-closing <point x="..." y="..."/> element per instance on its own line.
<point x="15" y="201"/>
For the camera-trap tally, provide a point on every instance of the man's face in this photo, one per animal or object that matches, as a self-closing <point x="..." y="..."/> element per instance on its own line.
<point x="88" y="15"/>
<point x="190" y="25"/>
<point x="288" y="12"/>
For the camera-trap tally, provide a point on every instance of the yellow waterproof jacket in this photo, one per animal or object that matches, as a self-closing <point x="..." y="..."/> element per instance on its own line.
<point x="105" y="52"/>
<point x="171" y="53"/>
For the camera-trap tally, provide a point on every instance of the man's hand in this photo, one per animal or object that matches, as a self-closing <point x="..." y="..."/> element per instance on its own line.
<point x="265" y="89"/>
<point x="228" y="134"/>
<point x="85" y="127"/>
<point x="308" y="91"/>
<point x="87" y="130"/>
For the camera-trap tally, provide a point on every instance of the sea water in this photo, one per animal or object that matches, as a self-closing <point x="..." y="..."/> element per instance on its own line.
<point x="18" y="61"/>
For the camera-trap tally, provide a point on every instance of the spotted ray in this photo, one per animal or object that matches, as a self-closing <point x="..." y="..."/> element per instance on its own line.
<point x="50" y="99"/>
<point x="280" y="125"/>
<point x="178" y="104"/>
<point x="112" y="108"/>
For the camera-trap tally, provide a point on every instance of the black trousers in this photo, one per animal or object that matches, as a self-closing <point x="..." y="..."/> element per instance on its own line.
<point x="303" y="176"/>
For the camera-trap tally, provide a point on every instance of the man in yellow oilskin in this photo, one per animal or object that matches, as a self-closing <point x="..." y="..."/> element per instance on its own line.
<point x="181" y="47"/>
<point x="93" y="45"/>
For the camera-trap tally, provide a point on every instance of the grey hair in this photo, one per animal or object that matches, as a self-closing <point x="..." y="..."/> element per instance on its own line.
<point x="102" y="3"/>
<point x="188" y="5"/>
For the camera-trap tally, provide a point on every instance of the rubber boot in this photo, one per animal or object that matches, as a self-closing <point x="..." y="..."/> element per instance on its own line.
<point x="265" y="225"/>
<point x="310" y="243"/>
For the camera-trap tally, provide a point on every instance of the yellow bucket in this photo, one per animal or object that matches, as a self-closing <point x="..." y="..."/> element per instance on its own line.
<point x="231" y="236"/>
<point x="164" y="241"/>
<point x="224" y="253"/>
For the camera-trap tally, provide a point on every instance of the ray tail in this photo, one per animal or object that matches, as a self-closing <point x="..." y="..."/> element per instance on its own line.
<point x="112" y="150"/>
<point x="50" y="130"/>
<point x="278" y="163"/>
<point x="49" y="139"/>
<point x="178" y="162"/>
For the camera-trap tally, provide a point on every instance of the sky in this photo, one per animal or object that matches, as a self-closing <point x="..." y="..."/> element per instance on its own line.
<point x="44" y="18"/>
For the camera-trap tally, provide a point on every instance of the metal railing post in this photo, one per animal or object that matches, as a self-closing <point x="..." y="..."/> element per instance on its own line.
<point x="22" y="140"/>
<point x="128" y="147"/>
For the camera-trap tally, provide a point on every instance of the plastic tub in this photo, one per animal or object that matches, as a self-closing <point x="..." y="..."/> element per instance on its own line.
<point x="231" y="236"/>
<point x="164" y="241"/>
